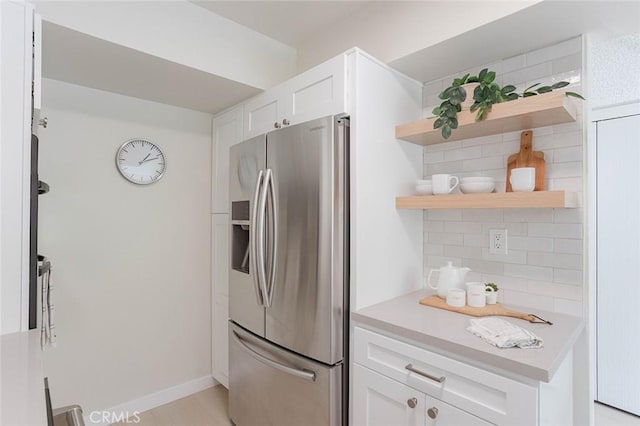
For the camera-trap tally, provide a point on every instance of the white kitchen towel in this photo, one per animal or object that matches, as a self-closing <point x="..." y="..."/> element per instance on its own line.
<point x="48" y="329"/>
<point x="503" y="334"/>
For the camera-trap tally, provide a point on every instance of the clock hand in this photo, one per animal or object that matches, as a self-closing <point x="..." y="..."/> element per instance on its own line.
<point x="150" y="159"/>
<point x="143" y="160"/>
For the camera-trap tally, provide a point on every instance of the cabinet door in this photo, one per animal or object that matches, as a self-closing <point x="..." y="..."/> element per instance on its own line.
<point x="439" y="413"/>
<point x="378" y="400"/>
<point x="220" y="297"/>
<point x="262" y="112"/>
<point x="220" y="341"/>
<point x="317" y="92"/>
<point x="227" y="131"/>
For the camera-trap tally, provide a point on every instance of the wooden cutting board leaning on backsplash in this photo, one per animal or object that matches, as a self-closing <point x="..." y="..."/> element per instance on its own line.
<point x="527" y="157"/>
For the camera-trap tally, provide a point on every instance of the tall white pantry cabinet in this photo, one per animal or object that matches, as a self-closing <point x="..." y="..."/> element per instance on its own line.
<point x="385" y="259"/>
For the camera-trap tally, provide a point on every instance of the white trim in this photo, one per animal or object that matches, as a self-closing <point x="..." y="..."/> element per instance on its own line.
<point x="154" y="400"/>
<point x="617" y="111"/>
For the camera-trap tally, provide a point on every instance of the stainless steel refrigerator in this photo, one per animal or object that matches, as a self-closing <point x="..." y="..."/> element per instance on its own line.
<point x="288" y="285"/>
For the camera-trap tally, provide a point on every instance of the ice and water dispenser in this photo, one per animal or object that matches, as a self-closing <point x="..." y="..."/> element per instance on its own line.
<point x="240" y="236"/>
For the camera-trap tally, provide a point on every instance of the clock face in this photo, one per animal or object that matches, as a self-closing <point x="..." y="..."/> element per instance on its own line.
<point x="140" y="161"/>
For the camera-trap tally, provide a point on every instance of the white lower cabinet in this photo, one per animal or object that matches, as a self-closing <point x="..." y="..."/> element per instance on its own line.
<point x="389" y="373"/>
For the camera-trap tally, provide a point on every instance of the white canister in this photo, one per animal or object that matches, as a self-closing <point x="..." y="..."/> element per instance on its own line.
<point x="476" y="296"/>
<point x="455" y="297"/>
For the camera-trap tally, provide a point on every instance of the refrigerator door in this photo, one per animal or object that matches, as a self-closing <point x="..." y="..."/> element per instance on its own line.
<point x="246" y="168"/>
<point x="308" y="175"/>
<point x="272" y="386"/>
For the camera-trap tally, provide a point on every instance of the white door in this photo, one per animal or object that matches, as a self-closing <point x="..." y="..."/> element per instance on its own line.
<point x="378" y="400"/>
<point x="220" y="297"/>
<point x="227" y="131"/>
<point x="618" y="263"/>
<point x="443" y="414"/>
<point x="262" y="113"/>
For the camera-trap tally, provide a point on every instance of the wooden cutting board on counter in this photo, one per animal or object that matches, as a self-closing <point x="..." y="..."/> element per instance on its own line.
<point x="527" y="157"/>
<point x="487" y="311"/>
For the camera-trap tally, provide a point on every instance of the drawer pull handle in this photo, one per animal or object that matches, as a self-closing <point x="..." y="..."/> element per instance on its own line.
<point x="412" y="402"/>
<point x="432" y="412"/>
<point x="411" y="368"/>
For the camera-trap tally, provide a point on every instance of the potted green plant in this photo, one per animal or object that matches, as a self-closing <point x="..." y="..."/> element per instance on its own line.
<point x="491" y="290"/>
<point x="485" y="94"/>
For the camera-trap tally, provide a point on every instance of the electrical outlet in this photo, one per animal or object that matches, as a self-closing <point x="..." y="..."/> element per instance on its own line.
<point x="498" y="241"/>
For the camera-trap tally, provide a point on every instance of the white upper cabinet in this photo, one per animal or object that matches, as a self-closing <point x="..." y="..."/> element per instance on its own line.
<point x="315" y="93"/>
<point x="227" y="131"/>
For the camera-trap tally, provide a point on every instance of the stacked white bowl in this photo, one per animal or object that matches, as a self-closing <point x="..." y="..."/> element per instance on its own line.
<point x="479" y="184"/>
<point x="424" y="187"/>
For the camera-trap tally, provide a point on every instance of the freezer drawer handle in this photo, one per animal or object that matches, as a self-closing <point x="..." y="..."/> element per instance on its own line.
<point x="440" y="379"/>
<point x="303" y="374"/>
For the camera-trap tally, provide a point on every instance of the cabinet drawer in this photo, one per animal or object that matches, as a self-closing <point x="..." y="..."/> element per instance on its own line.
<point x="439" y="413"/>
<point x="487" y="395"/>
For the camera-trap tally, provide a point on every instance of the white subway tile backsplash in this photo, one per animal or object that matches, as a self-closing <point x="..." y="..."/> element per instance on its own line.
<point x="564" y="155"/>
<point x="568" y="215"/>
<point x="562" y="245"/>
<point x="555" y="51"/>
<point x="567" y="276"/>
<point x="530" y="243"/>
<point x="544" y="303"/>
<point x="528" y="215"/>
<point x="484" y="266"/>
<point x="463" y="227"/>
<point x="444" y="214"/>
<point x="544" y="265"/>
<point x="568" y="307"/>
<point x="485" y="163"/>
<point x="476" y="240"/>
<point x="463" y="153"/>
<point x="555" y="260"/>
<point x="483" y="215"/>
<point x="513" y="63"/>
<point x="512" y="256"/>
<point x="567" y="63"/>
<point x="573" y="230"/>
<point x="445" y="238"/>
<point x="463" y="252"/>
<point x="529" y="272"/>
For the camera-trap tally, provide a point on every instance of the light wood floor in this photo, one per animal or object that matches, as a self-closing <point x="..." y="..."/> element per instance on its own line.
<point x="209" y="408"/>
<point x="206" y="408"/>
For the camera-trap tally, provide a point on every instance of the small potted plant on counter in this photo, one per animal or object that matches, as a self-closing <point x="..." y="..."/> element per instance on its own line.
<point x="491" y="290"/>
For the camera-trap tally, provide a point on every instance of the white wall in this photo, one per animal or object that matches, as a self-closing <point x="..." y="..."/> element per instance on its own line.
<point x="544" y="266"/>
<point x="391" y="29"/>
<point x="131" y="263"/>
<point x="181" y="32"/>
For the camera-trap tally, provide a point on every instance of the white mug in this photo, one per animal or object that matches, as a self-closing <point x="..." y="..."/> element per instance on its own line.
<point x="523" y="179"/>
<point x="442" y="183"/>
<point x="476" y="295"/>
<point x="455" y="297"/>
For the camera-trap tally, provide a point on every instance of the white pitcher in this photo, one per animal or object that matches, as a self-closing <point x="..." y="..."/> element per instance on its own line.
<point x="450" y="277"/>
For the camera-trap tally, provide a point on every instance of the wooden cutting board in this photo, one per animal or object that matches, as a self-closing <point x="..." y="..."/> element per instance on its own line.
<point x="487" y="311"/>
<point x="527" y="157"/>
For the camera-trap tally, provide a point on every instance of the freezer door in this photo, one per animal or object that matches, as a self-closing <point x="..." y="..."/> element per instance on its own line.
<point x="272" y="386"/>
<point x="309" y="184"/>
<point x="246" y="162"/>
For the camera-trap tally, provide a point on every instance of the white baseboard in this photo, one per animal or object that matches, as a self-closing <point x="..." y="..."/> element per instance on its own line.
<point x="131" y="408"/>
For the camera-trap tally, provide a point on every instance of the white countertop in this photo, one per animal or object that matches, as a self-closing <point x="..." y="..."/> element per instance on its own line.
<point x="22" y="400"/>
<point x="446" y="332"/>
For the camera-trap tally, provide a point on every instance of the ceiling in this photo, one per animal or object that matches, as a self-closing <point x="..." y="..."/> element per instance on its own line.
<point x="78" y="58"/>
<point x="290" y="22"/>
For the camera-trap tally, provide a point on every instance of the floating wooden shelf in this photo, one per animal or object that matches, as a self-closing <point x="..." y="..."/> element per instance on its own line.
<point x="526" y="113"/>
<point x="500" y="200"/>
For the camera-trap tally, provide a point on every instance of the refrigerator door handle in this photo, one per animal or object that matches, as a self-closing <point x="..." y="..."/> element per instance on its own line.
<point x="273" y="240"/>
<point x="261" y="267"/>
<point x="303" y="374"/>
<point x="253" y="241"/>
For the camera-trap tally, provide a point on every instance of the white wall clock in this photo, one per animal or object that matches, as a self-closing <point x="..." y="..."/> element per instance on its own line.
<point x="140" y="161"/>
